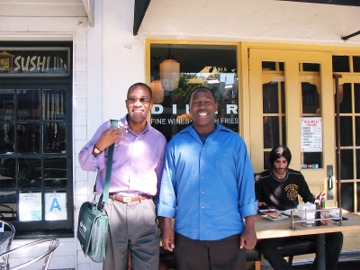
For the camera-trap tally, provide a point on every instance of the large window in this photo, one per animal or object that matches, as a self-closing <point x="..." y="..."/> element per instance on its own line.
<point x="35" y="141"/>
<point x="213" y="66"/>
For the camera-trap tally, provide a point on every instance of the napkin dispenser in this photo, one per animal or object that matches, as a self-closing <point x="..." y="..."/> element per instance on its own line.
<point x="307" y="214"/>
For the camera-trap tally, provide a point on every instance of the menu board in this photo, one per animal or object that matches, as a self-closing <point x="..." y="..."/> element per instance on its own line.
<point x="311" y="134"/>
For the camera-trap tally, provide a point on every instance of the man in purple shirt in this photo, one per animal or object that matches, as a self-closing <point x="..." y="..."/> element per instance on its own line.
<point x="138" y="161"/>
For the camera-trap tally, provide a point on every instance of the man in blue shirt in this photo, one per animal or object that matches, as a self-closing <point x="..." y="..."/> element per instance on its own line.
<point x="208" y="186"/>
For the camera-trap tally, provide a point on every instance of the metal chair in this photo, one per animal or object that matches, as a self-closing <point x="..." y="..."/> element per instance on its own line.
<point x="33" y="251"/>
<point x="7" y="232"/>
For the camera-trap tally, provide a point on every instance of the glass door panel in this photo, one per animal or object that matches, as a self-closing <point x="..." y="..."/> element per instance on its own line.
<point x="311" y="111"/>
<point x="348" y="140"/>
<point x="289" y="88"/>
<point x="274" y="124"/>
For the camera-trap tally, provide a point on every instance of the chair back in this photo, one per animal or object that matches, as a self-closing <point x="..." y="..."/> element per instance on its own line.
<point x="7" y="233"/>
<point x="40" y="249"/>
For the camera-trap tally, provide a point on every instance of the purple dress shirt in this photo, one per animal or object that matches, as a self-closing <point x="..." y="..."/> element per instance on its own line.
<point x="137" y="161"/>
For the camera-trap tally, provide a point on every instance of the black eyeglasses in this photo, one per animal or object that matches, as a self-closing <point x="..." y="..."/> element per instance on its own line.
<point x="143" y="100"/>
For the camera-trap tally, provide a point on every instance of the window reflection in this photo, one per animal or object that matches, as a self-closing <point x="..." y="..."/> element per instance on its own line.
<point x="7" y="108"/>
<point x="7" y="172"/>
<point x="271" y="97"/>
<point x="271" y="131"/>
<point x="6" y="138"/>
<point x="358" y="164"/>
<point x="347" y="191"/>
<point x="215" y="67"/>
<point x="346" y="131"/>
<point x="54" y="104"/>
<point x="55" y="138"/>
<point x="276" y="66"/>
<point x="28" y="104"/>
<point x="274" y="109"/>
<point x="267" y="164"/>
<point x="55" y="173"/>
<point x="357" y="131"/>
<point x="311" y="67"/>
<point x="29" y="173"/>
<point x="310" y="98"/>
<point x="356" y="63"/>
<point x="28" y="138"/>
<point x="345" y="98"/>
<point x="357" y="97"/>
<point x="341" y="64"/>
<point x="8" y="205"/>
<point x="347" y="164"/>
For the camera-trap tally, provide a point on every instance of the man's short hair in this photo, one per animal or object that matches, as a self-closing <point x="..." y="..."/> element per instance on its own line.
<point x="201" y="88"/>
<point x="143" y="85"/>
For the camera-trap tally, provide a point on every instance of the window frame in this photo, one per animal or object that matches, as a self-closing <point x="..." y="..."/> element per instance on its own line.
<point x="58" y="228"/>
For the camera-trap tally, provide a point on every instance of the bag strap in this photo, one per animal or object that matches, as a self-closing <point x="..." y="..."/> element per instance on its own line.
<point x="114" y="124"/>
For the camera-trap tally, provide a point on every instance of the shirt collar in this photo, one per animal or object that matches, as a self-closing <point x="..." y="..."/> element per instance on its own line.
<point x="217" y="128"/>
<point x="125" y="123"/>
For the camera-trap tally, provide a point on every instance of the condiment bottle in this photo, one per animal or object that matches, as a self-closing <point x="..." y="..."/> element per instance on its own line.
<point x="324" y="214"/>
<point x="322" y="200"/>
<point x="317" y="214"/>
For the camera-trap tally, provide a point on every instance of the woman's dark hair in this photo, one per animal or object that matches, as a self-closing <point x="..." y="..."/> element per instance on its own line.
<point x="143" y="85"/>
<point x="279" y="151"/>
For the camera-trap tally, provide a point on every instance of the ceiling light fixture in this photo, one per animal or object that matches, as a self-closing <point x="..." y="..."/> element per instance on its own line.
<point x="170" y="72"/>
<point x="156" y="87"/>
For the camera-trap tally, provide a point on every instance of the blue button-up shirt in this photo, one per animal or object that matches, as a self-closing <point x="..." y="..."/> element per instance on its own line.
<point x="208" y="188"/>
<point x="137" y="161"/>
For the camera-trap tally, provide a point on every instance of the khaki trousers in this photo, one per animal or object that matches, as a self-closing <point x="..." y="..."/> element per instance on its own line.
<point x="133" y="229"/>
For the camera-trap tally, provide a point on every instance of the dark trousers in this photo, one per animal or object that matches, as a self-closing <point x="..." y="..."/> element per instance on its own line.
<point x="205" y="255"/>
<point x="333" y="244"/>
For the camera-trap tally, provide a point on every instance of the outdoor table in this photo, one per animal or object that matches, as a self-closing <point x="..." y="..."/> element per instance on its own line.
<point x="267" y="229"/>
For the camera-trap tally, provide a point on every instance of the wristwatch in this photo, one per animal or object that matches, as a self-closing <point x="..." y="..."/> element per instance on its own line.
<point x="96" y="150"/>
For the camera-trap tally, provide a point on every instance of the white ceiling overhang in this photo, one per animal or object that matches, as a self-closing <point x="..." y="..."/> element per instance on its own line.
<point x="64" y="8"/>
<point x="48" y="8"/>
<point x="85" y="8"/>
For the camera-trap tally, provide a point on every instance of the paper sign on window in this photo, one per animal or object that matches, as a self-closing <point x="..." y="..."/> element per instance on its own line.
<point x="30" y="206"/>
<point x="55" y="206"/>
<point x="311" y="134"/>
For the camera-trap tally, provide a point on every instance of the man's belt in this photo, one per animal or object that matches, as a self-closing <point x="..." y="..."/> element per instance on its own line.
<point x="128" y="199"/>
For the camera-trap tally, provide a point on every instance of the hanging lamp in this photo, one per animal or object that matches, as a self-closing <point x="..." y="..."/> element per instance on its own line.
<point x="156" y="86"/>
<point x="170" y="73"/>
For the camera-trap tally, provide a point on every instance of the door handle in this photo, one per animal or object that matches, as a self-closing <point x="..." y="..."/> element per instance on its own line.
<point x="330" y="182"/>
